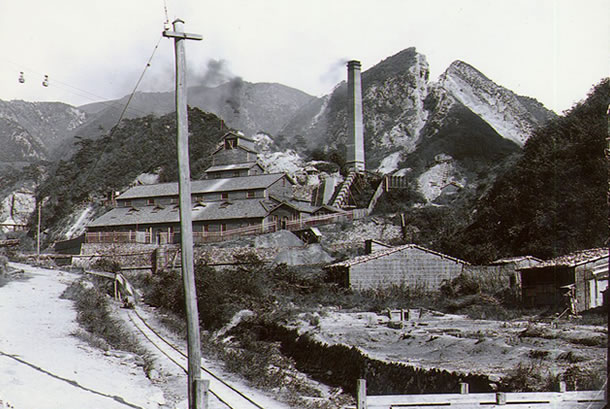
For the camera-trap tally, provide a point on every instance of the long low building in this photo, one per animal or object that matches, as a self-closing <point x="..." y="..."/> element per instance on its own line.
<point x="410" y="265"/>
<point x="236" y="197"/>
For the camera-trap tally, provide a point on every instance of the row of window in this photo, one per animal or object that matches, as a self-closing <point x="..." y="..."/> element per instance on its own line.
<point x="250" y="194"/>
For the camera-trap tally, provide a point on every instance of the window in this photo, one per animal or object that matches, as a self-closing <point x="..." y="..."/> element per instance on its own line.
<point x="251" y="194"/>
<point x="127" y="203"/>
<point x="224" y="196"/>
<point x="230" y="143"/>
<point x="150" y="202"/>
<point x="206" y="228"/>
<point x="223" y="227"/>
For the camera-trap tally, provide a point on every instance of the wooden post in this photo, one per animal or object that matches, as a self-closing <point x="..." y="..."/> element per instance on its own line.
<point x="500" y="398"/>
<point x="205" y="391"/>
<point x="361" y="394"/>
<point x="608" y="203"/>
<point x="195" y="395"/>
<point x="38" y="233"/>
<point x="562" y="387"/>
<point x="463" y="388"/>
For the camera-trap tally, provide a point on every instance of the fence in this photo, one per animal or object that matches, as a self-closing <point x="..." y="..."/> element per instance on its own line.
<point x="499" y="400"/>
<point x="215" y="236"/>
<point x="325" y="219"/>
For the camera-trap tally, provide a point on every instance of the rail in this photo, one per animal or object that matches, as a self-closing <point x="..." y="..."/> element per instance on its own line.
<point x="222" y="390"/>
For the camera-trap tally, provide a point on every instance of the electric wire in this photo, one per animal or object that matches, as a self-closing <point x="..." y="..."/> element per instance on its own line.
<point x="79" y="91"/>
<point x="115" y="127"/>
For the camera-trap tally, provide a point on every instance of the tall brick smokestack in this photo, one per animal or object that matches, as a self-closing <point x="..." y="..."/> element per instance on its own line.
<point x="355" y="134"/>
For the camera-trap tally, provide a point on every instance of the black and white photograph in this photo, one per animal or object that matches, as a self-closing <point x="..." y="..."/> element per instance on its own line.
<point x="277" y="204"/>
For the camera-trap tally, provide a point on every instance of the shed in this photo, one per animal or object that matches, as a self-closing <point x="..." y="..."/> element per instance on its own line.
<point x="410" y="265"/>
<point x="512" y="266"/>
<point x="578" y="278"/>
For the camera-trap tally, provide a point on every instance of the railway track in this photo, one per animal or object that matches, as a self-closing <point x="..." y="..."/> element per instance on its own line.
<point x="223" y="391"/>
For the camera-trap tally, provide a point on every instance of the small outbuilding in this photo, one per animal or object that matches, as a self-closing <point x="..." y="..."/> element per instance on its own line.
<point x="410" y="265"/>
<point x="576" y="280"/>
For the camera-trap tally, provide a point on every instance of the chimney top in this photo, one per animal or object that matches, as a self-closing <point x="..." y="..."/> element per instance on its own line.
<point x="353" y="64"/>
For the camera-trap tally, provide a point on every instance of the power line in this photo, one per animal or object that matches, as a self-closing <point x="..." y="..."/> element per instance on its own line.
<point x="80" y="92"/>
<point x="113" y="129"/>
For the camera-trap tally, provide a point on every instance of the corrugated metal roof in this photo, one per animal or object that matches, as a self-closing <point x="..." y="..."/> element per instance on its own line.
<point x="203" y="186"/>
<point x="208" y="211"/>
<point x="573" y="259"/>
<point x="384" y="253"/>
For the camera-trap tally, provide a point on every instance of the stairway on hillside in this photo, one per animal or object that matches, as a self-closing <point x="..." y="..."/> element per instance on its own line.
<point x="342" y="197"/>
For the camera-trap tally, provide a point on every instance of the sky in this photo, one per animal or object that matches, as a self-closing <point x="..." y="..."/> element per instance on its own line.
<point x="93" y="50"/>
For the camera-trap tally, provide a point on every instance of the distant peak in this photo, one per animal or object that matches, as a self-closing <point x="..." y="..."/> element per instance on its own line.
<point x="459" y="66"/>
<point x="397" y="64"/>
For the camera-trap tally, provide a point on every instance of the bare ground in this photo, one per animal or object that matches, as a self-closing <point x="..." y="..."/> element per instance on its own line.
<point x="457" y="343"/>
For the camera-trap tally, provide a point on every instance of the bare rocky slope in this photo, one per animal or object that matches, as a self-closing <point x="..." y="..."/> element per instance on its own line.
<point x="464" y="122"/>
<point x="30" y="131"/>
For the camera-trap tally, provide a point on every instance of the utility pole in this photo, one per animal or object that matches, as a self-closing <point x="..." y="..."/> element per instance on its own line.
<point x="38" y="233"/>
<point x="195" y="384"/>
<point x="607" y="293"/>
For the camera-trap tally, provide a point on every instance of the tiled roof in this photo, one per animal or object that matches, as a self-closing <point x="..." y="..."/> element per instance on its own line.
<point x="236" y="134"/>
<point x="516" y="259"/>
<point x="208" y="211"/>
<point x="233" y="166"/>
<point x="303" y="206"/>
<point x="383" y="253"/>
<point x="573" y="259"/>
<point x="247" y="145"/>
<point x="203" y="186"/>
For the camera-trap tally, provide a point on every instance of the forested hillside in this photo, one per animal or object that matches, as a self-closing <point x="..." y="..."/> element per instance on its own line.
<point x="112" y="162"/>
<point x="553" y="200"/>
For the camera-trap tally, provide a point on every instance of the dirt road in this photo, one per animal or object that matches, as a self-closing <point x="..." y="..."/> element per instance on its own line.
<point x="43" y="366"/>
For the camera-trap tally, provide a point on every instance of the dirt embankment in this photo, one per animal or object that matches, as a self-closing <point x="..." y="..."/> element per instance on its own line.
<point x="488" y="354"/>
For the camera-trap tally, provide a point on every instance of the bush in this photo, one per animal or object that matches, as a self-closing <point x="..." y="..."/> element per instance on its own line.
<point x="94" y="316"/>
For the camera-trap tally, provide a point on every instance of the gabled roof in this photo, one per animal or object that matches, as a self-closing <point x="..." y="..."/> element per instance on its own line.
<point x="204" y="186"/>
<point x="516" y="259"/>
<point x="303" y="206"/>
<point x="384" y="253"/>
<point x="572" y="259"/>
<point x="202" y="212"/>
<point x="233" y="166"/>
<point x="243" y="142"/>
<point x="238" y="135"/>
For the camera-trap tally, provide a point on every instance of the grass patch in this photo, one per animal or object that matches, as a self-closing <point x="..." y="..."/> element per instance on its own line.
<point x="98" y="327"/>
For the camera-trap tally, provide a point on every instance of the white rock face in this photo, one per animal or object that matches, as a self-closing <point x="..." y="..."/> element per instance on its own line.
<point x="17" y="207"/>
<point x="78" y="222"/>
<point x="400" y="101"/>
<point x="288" y="161"/>
<point x="147" y="179"/>
<point x="496" y="105"/>
<point x="433" y="181"/>
<point x="390" y="163"/>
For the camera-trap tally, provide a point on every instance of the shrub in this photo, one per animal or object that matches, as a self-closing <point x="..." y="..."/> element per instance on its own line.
<point x="94" y="316"/>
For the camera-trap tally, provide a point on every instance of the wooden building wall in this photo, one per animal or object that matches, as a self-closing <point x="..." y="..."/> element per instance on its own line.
<point x="414" y="268"/>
